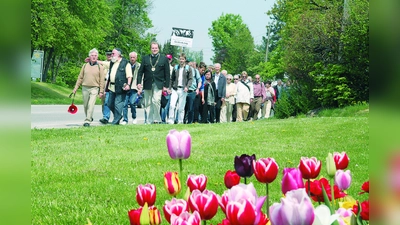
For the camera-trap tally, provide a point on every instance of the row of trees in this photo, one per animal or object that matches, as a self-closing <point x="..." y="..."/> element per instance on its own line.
<point x="322" y="46"/>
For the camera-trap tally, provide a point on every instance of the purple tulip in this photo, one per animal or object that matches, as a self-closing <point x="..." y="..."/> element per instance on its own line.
<point x="244" y="165"/>
<point x="292" y="180"/>
<point x="343" y="179"/>
<point x="179" y="144"/>
<point x="295" y="208"/>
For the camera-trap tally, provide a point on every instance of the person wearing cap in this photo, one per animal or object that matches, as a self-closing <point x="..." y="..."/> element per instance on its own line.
<point x="133" y="92"/>
<point x="154" y="74"/>
<point x="181" y="80"/>
<point x="120" y="80"/>
<point x="91" y="77"/>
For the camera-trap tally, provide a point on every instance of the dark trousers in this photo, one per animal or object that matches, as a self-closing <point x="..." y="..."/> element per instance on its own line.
<point x="116" y="104"/>
<point x="218" y="108"/>
<point x="196" y="108"/>
<point x="130" y="100"/>
<point x="234" y="113"/>
<point x="189" y="109"/>
<point x="208" y="114"/>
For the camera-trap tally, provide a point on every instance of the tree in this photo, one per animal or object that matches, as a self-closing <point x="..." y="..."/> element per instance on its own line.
<point x="232" y="42"/>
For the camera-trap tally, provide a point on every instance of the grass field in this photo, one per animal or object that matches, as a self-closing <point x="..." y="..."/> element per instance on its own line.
<point x="93" y="173"/>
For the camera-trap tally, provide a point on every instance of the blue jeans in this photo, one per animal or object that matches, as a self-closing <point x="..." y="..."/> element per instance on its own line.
<point x="190" y="102"/>
<point x="116" y="104"/>
<point x="106" y="109"/>
<point x="165" y="110"/>
<point x="130" y="100"/>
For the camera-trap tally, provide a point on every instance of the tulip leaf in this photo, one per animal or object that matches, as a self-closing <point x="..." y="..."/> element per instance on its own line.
<point x="328" y="203"/>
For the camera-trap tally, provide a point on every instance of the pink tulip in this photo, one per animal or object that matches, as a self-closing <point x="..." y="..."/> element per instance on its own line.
<point x="310" y="167"/>
<point x="174" y="207"/>
<point x="341" y="160"/>
<point x="146" y="193"/>
<point x="295" y="208"/>
<point x="206" y="203"/>
<point x="265" y="170"/>
<point x="223" y="201"/>
<point x="292" y="179"/>
<point x="186" y="218"/>
<point x="179" y="144"/>
<point x="198" y="182"/>
<point x="241" y="212"/>
<point x="343" y="179"/>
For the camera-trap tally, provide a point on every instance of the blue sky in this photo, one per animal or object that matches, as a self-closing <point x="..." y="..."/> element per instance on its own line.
<point x="198" y="16"/>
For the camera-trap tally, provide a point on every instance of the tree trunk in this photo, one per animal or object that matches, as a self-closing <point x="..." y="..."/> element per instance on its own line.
<point x="48" y="55"/>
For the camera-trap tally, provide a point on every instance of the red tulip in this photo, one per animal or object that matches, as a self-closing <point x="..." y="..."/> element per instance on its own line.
<point x="263" y="219"/>
<point x="365" y="187"/>
<point x="146" y="193"/>
<point x="206" y="203"/>
<point x="291" y="180"/>
<point x="174" y="207"/>
<point x="364" y="210"/>
<point x="134" y="216"/>
<point x="316" y="190"/>
<point x="172" y="183"/>
<point x="341" y="160"/>
<point x="224" y="222"/>
<point x="310" y="167"/>
<point x="265" y="170"/>
<point x="198" y="182"/>
<point x="240" y="212"/>
<point x="231" y="179"/>
<point x="154" y="214"/>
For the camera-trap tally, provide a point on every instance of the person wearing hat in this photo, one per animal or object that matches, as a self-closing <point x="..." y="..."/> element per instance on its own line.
<point x="154" y="73"/>
<point x="120" y="80"/>
<point x="91" y="77"/>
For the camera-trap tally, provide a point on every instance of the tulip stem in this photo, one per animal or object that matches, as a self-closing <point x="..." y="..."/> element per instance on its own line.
<point x="309" y="186"/>
<point x="267" y="211"/>
<point x="180" y="167"/>
<point x="245" y="180"/>
<point x="204" y="222"/>
<point x="333" y="192"/>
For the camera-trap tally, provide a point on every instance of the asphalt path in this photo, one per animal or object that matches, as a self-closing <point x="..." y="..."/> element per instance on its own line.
<point x="57" y="116"/>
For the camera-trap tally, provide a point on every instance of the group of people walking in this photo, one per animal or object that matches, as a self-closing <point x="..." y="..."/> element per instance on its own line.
<point x="173" y="94"/>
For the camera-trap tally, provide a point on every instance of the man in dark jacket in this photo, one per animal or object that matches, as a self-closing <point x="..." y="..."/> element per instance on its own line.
<point x="154" y="71"/>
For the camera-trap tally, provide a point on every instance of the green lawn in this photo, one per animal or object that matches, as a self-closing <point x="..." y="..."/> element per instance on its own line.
<point x="93" y="173"/>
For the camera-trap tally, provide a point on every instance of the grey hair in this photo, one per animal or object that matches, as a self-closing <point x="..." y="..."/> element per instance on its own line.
<point x="93" y="50"/>
<point x="229" y="76"/>
<point x="132" y="53"/>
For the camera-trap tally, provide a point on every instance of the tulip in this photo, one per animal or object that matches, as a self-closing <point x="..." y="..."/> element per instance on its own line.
<point x="134" y="216"/>
<point x="341" y="160"/>
<point x="154" y="214"/>
<point x="206" y="203"/>
<point x="231" y="179"/>
<point x="197" y="182"/>
<point x="344" y="216"/>
<point x="330" y="165"/>
<point x="243" y="165"/>
<point x="223" y="201"/>
<point x="295" y="208"/>
<point x="146" y="193"/>
<point x="172" y="183"/>
<point x="310" y="167"/>
<point x="343" y="179"/>
<point x="225" y="221"/>
<point x="174" y="207"/>
<point x="291" y="180"/>
<point x="186" y="218"/>
<point x="316" y="190"/>
<point x="365" y="187"/>
<point x="265" y="170"/>
<point x="323" y="216"/>
<point x="179" y="144"/>
<point x="240" y="212"/>
<point x="364" y="210"/>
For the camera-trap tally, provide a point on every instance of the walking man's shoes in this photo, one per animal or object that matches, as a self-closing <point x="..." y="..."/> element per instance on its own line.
<point x="103" y="121"/>
<point x="86" y="125"/>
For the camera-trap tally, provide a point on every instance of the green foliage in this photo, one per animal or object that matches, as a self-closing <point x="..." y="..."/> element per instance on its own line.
<point x="68" y="73"/>
<point x="232" y="42"/>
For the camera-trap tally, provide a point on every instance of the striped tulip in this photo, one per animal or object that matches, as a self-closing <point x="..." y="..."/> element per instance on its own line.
<point x="341" y="160"/>
<point x="265" y="170"/>
<point x="241" y="212"/>
<point x="179" y="144"/>
<point x="198" y="182"/>
<point x="174" y="207"/>
<point x="154" y="214"/>
<point x="206" y="203"/>
<point x="172" y="183"/>
<point x="146" y="193"/>
<point x="310" y="167"/>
